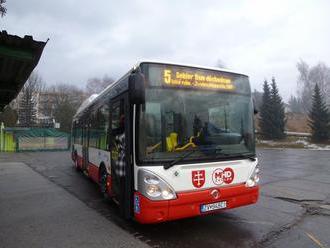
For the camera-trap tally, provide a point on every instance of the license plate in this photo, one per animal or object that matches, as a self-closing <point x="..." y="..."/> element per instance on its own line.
<point x="213" y="206"/>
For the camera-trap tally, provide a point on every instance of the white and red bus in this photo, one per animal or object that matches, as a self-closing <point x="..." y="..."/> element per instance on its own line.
<point x="169" y="141"/>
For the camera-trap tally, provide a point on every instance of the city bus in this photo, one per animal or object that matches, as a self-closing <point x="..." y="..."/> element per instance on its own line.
<point x="169" y="141"/>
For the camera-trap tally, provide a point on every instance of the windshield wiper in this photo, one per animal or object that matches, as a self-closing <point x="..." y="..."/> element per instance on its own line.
<point x="174" y="162"/>
<point x="251" y="157"/>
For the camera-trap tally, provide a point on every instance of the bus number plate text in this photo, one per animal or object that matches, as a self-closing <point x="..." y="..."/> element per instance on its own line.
<point x="213" y="206"/>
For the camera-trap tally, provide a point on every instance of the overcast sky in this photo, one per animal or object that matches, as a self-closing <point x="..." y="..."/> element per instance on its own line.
<point x="92" y="38"/>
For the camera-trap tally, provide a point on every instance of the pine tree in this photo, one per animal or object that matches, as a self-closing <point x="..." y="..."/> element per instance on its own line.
<point x="319" y="117"/>
<point x="265" y="112"/>
<point x="278" y="114"/>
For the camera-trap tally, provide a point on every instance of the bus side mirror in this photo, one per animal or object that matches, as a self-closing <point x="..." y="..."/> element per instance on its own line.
<point x="137" y="88"/>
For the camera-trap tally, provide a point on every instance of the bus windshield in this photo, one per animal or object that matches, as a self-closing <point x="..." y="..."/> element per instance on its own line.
<point x="174" y="121"/>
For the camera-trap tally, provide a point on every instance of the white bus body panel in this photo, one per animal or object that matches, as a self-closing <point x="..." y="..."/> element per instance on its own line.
<point x="180" y="177"/>
<point x="98" y="156"/>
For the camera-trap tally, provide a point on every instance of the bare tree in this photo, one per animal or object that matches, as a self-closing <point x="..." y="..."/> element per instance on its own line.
<point x="308" y="78"/>
<point x="27" y="101"/>
<point x="67" y="93"/>
<point x="3" y="10"/>
<point x="96" y="85"/>
<point x="65" y="101"/>
<point x="8" y="116"/>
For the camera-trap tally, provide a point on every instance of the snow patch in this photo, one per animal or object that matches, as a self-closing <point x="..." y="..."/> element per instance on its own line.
<point x="301" y="141"/>
<point x="313" y="146"/>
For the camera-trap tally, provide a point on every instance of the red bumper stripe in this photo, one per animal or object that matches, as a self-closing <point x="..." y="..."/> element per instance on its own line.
<point x="188" y="204"/>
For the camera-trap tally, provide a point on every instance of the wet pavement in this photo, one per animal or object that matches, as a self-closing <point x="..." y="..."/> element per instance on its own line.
<point x="293" y="210"/>
<point x="35" y="212"/>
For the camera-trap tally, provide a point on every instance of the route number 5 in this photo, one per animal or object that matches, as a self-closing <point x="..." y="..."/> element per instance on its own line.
<point x="167" y="76"/>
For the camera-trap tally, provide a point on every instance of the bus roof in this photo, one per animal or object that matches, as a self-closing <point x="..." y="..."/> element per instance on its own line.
<point x="102" y="93"/>
<point x="188" y="65"/>
<point x="90" y="101"/>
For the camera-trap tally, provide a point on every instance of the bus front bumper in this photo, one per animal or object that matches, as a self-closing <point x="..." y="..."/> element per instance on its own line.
<point x="188" y="204"/>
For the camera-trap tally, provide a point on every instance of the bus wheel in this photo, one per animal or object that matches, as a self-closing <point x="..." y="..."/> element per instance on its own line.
<point x="103" y="181"/>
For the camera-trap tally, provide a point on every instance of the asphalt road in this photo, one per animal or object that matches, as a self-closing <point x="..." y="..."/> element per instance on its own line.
<point x="293" y="210"/>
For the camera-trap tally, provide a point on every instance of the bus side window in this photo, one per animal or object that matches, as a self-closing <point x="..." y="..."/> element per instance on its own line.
<point x="103" y="126"/>
<point x="115" y="114"/>
<point x="78" y="136"/>
<point x="92" y="129"/>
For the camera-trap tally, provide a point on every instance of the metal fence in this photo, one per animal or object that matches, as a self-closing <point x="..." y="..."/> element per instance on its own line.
<point x="32" y="139"/>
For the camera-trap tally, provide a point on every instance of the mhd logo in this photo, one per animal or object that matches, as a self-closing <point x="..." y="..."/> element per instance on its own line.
<point x="198" y="178"/>
<point x="220" y="176"/>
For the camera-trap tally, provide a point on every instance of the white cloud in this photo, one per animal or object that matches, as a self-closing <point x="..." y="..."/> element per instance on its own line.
<point x="260" y="38"/>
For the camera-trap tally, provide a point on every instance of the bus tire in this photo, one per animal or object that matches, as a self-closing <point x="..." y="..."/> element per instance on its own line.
<point x="103" y="175"/>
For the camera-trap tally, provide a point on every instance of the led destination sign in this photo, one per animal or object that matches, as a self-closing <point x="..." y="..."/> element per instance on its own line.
<point x="197" y="79"/>
<point x="172" y="76"/>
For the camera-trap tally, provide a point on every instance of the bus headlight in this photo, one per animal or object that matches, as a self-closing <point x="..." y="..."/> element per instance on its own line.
<point x="154" y="187"/>
<point x="254" y="178"/>
<point x="153" y="190"/>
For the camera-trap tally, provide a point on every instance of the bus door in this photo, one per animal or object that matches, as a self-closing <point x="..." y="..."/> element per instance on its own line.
<point x="85" y="147"/>
<point x="121" y="168"/>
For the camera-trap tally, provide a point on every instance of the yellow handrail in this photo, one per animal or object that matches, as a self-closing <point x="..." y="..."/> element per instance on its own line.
<point x="172" y="143"/>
